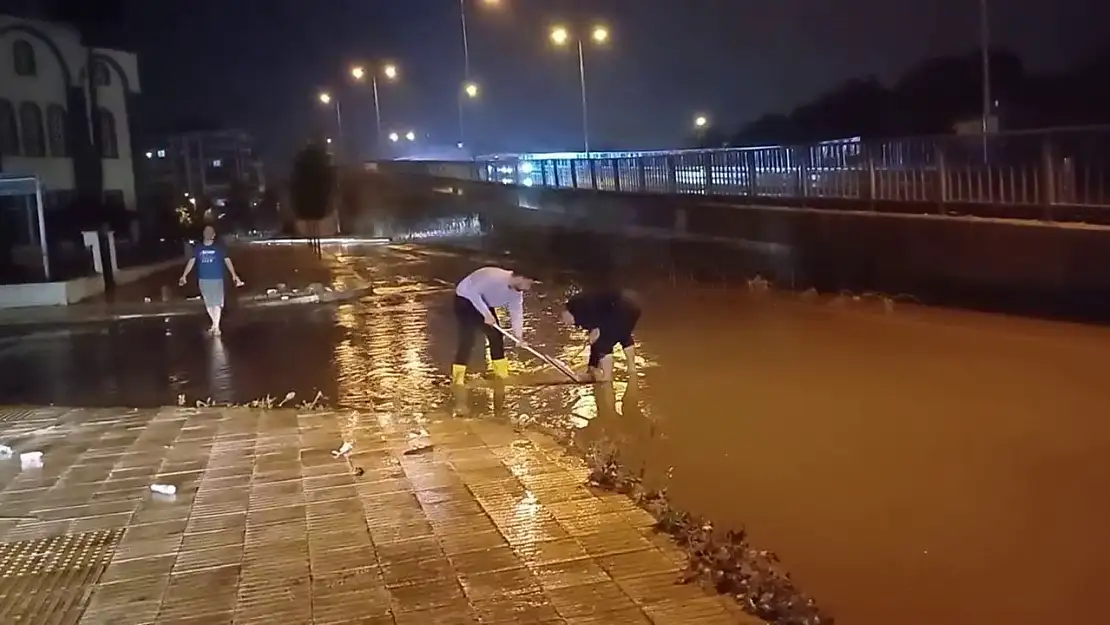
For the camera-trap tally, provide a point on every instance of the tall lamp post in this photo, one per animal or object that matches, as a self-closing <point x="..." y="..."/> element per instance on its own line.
<point x="469" y="87"/>
<point x="326" y="99"/>
<point x="984" y="44"/>
<point x="560" y="36"/>
<point x="388" y="71"/>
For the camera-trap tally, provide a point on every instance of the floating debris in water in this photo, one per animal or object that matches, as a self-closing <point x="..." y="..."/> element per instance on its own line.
<point x="359" y="471"/>
<point x="419" y="450"/>
<point x="723" y="560"/>
<point x="343" y="450"/>
<point x="266" y="403"/>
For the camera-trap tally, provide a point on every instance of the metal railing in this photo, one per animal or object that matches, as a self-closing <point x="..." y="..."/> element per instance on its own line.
<point x="1054" y="167"/>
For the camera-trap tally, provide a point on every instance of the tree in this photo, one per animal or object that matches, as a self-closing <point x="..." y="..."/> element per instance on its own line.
<point x="311" y="186"/>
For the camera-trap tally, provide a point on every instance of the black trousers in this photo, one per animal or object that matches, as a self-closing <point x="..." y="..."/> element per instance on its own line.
<point x="470" y="323"/>
<point x="615" y="330"/>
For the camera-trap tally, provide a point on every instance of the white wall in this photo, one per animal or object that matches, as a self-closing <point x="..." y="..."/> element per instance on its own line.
<point x="50" y="86"/>
<point x="119" y="173"/>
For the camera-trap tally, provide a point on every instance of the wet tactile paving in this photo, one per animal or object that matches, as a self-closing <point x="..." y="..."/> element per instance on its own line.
<point x="48" y="580"/>
<point x="490" y="526"/>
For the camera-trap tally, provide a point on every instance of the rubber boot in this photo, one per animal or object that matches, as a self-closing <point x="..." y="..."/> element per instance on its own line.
<point x="458" y="375"/>
<point x="500" y="368"/>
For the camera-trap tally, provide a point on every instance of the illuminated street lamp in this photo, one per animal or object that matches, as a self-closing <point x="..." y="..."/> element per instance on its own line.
<point x="469" y="88"/>
<point x="394" y="137"/>
<point x="561" y="36"/>
<point x="701" y="122"/>
<point x="410" y="135"/>
<point x="327" y="99"/>
<point x="391" y="73"/>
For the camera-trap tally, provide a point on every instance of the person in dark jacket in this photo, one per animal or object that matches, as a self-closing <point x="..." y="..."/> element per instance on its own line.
<point x="610" y="316"/>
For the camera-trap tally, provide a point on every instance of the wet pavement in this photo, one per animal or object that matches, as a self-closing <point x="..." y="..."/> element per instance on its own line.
<point x="910" y="465"/>
<point x="472" y="523"/>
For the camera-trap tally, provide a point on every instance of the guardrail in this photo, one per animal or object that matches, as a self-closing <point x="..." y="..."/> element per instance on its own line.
<point x="1055" y="167"/>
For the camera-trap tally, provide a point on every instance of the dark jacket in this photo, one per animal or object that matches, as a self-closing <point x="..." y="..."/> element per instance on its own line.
<point x="604" y="308"/>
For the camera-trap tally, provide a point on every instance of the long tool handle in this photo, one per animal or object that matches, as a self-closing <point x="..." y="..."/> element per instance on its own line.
<point x="558" y="364"/>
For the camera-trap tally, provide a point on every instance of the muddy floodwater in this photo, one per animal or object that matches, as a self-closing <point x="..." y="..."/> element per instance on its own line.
<point x="913" y="467"/>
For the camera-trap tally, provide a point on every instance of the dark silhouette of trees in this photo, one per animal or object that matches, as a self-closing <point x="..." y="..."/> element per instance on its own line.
<point x="311" y="186"/>
<point x="934" y="95"/>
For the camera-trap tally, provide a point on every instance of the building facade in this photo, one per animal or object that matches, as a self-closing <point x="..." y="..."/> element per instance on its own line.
<point x="213" y="164"/>
<point x="53" y="110"/>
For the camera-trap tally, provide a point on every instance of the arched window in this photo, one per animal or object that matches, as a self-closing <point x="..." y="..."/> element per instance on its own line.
<point x="56" y="131"/>
<point x="102" y="76"/>
<point x="9" y="130"/>
<point x="23" y="57"/>
<point x="109" y="142"/>
<point x="30" y="126"/>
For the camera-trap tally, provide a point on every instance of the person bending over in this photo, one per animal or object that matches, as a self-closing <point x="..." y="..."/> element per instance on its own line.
<point x="476" y="297"/>
<point x="210" y="259"/>
<point x="610" y="315"/>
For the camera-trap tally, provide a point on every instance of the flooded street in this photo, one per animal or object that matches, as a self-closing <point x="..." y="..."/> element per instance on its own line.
<point x="914" y="468"/>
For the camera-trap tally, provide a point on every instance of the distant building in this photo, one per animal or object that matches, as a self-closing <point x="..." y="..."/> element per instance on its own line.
<point x="207" y="164"/>
<point x="46" y="121"/>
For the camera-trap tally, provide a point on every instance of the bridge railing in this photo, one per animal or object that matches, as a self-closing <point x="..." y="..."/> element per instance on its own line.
<point x="1069" y="167"/>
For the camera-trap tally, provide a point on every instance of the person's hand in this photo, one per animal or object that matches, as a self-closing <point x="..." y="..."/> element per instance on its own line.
<point x="238" y="281"/>
<point x="181" y="281"/>
<point x="595" y="334"/>
<point x="489" y="319"/>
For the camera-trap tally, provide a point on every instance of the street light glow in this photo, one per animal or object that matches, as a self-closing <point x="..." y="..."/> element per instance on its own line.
<point x="410" y="135"/>
<point x="390" y="71"/>
<point x="328" y="140"/>
<point x="701" y="121"/>
<point x="471" y="89"/>
<point x="600" y="34"/>
<point x="358" y="72"/>
<point x="325" y="97"/>
<point x="394" y="137"/>
<point x="560" y="35"/>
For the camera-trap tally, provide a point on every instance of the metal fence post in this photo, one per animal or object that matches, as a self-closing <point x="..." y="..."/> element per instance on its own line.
<point x="574" y="173"/>
<point x="672" y="174"/>
<point x="803" y="154"/>
<point x="1048" y="174"/>
<point x="942" y="179"/>
<point x="749" y="172"/>
<point x="593" y="175"/>
<point x="616" y="164"/>
<point x="707" y="169"/>
<point x="872" y="179"/>
<point x="641" y="175"/>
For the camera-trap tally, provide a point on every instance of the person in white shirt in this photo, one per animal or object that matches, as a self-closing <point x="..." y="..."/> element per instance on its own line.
<point x="476" y="297"/>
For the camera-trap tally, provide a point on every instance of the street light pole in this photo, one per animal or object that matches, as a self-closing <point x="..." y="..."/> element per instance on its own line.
<point x="377" y="115"/>
<point x="984" y="44"/>
<point x="585" y="105"/>
<point x="339" y="129"/>
<point x="460" y="97"/>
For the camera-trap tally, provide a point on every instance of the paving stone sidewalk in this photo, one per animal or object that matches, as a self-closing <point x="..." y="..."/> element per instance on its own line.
<point x="425" y="522"/>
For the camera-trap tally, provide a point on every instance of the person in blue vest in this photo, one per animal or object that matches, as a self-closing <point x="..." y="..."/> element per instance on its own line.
<point x="210" y="259"/>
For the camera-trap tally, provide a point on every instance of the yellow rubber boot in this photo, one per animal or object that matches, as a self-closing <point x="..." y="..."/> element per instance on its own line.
<point x="500" y="368"/>
<point x="458" y="375"/>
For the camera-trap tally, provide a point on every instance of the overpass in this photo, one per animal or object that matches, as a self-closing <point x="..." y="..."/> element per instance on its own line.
<point x="1019" y="221"/>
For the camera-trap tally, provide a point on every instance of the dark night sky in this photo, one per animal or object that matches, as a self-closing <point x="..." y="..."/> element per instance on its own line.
<point x="259" y="63"/>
